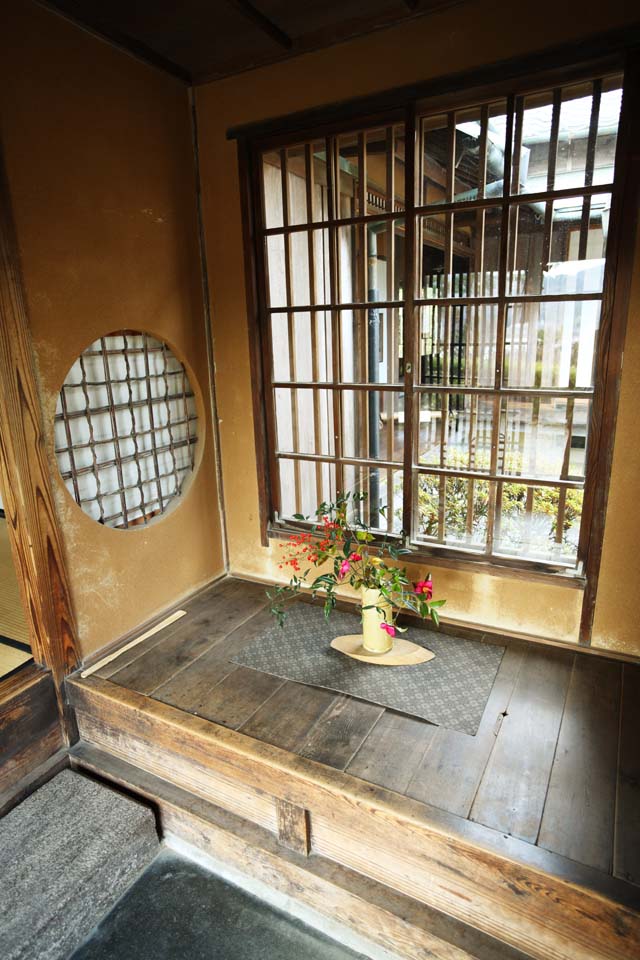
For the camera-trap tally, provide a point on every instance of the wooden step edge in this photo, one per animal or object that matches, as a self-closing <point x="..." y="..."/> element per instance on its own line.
<point x="338" y="901"/>
<point x="36" y="778"/>
<point x="248" y="758"/>
<point x="458" y="868"/>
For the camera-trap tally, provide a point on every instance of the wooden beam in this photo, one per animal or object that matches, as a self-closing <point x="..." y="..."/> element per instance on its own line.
<point x="267" y="26"/>
<point x="293" y="827"/>
<point x="542" y="904"/>
<point x="24" y="473"/>
<point x="619" y="272"/>
<point x="399" y="924"/>
<point x="29" y="728"/>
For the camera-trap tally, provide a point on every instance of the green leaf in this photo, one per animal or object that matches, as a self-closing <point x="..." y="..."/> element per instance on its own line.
<point x="435" y="618"/>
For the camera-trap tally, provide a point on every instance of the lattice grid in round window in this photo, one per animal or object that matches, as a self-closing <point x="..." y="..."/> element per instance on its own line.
<point x="126" y="429"/>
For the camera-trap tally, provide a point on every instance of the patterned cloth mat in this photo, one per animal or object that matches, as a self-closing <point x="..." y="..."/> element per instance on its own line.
<point x="451" y="690"/>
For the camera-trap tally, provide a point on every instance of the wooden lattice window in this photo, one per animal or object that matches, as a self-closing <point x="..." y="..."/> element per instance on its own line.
<point x="429" y="292"/>
<point x="126" y="429"/>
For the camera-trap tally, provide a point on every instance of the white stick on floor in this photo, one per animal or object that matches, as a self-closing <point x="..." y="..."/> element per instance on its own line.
<point x="132" y="643"/>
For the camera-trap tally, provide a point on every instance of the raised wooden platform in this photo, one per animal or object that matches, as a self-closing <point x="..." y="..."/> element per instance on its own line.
<point x="457" y="823"/>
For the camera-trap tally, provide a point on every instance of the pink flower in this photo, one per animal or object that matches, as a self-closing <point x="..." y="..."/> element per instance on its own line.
<point x="388" y="628"/>
<point x="425" y="587"/>
<point x="344" y="568"/>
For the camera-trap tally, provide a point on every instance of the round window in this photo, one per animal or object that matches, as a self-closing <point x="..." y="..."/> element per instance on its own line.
<point x="126" y="429"/>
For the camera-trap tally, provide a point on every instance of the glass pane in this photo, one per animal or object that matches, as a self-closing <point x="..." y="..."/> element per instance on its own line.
<point x="564" y="256"/>
<point x="348" y="176"/>
<point x="276" y="271"/>
<point x="467" y="421"/>
<point x="480" y="141"/>
<point x="436" y="159"/>
<point x="544" y="436"/>
<point x="301" y="346"/>
<point x="303" y="485"/>
<point x="371" y="261"/>
<point x="321" y="270"/>
<point x="373" y="425"/>
<point x="304" y="421"/>
<point x="382" y="150"/>
<point x="272" y="190"/>
<point x="531" y="163"/>
<point x="578" y="160"/>
<point x="538" y="523"/>
<point x="551" y="344"/>
<point x="385" y="169"/>
<point x="453" y="511"/>
<point x="382" y="510"/>
<point x="371" y="345"/>
<point x="471" y="238"/>
<point x="608" y="121"/>
<point x="299" y="265"/>
<point x="297" y="184"/>
<point x="319" y="198"/>
<point x="469" y="333"/>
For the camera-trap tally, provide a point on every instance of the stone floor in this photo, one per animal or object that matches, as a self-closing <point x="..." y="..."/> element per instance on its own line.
<point x="177" y="910"/>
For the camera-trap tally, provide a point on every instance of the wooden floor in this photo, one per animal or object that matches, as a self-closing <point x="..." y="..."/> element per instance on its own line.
<point x="555" y="762"/>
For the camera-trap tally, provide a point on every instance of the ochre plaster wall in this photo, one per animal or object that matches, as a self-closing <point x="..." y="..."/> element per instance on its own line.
<point x="463" y="37"/>
<point x="100" y="164"/>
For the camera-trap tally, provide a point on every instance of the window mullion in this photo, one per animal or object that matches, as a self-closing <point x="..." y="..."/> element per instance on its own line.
<point x="410" y="328"/>
<point x="333" y="192"/>
<point x="495" y="488"/>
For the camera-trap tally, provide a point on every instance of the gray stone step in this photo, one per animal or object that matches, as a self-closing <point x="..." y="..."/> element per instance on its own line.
<point x="67" y="853"/>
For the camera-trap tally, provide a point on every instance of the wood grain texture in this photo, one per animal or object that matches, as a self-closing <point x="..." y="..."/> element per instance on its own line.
<point x="294" y="830"/>
<point x="211" y="619"/>
<point x="398" y="924"/>
<point x="393" y="750"/>
<point x="26" y="486"/>
<point x="512" y="791"/>
<point x="619" y="272"/>
<point x="339" y="731"/>
<point x="533" y="900"/>
<point x="30" y="730"/>
<point x="452" y="767"/>
<point x="626" y="858"/>
<point x="579" y="811"/>
<point x="288" y="716"/>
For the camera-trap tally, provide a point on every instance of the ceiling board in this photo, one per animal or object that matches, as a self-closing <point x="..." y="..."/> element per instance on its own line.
<point x="207" y="39"/>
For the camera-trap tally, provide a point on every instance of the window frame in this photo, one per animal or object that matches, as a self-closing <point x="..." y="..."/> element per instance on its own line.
<point x="407" y="105"/>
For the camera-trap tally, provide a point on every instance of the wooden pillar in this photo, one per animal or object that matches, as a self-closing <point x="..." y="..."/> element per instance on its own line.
<point x="26" y="485"/>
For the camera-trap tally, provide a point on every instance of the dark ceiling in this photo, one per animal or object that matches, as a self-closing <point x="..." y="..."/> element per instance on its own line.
<point x="202" y="40"/>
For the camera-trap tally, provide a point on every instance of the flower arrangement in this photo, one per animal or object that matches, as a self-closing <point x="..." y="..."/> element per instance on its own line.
<point x="358" y="558"/>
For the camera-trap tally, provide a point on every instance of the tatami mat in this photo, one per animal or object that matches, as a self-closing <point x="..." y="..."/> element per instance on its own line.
<point x="12" y="620"/>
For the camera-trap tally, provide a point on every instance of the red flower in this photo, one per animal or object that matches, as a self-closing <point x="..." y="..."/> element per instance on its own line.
<point x="425" y="588"/>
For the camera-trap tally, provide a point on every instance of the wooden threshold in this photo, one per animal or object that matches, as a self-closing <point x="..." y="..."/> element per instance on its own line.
<point x="540" y="903"/>
<point x="394" y="922"/>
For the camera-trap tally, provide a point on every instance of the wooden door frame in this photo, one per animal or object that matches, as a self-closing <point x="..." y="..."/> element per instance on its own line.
<point x="25" y="480"/>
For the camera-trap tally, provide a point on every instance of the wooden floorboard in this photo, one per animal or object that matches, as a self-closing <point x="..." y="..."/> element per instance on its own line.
<point x="287" y="717"/>
<point x="627" y="829"/>
<point x="393" y="751"/>
<point x="237" y="697"/>
<point x="451" y="769"/>
<point x="340" y="731"/>
<point x="584" y="770"/>
<point x="542" y="767"/>
<point x="216" y="614"/>
<point x="513" y="788"/>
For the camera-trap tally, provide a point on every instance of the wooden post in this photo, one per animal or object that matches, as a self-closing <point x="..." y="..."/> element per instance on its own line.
<point x="26" y="485"/>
